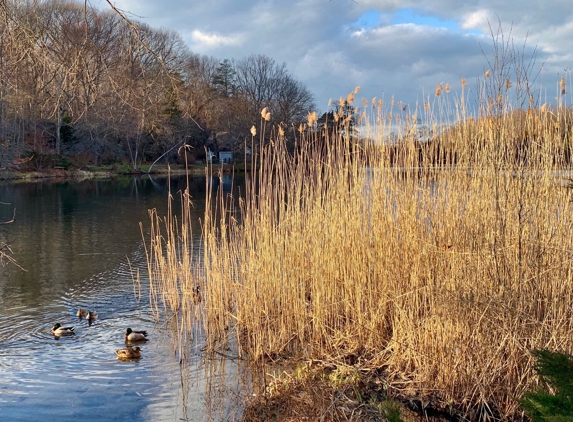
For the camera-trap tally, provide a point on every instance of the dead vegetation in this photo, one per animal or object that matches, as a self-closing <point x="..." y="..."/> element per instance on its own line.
<point x="434" y="274"/>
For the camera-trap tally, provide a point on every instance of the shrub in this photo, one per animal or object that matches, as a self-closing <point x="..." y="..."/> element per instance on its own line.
<point x="556" y="370"/>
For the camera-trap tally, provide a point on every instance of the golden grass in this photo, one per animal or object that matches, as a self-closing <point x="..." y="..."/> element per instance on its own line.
<point x="440" y="264"/>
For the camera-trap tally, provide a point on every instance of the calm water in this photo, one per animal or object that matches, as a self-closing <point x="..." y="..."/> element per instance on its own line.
<point x="75" y="241"/>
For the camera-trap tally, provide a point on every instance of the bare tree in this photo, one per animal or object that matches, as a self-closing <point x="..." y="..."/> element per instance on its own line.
<point x="197" y="91"/>
<point x="292" y="102"/>
<point x="259" y="78"/>
<point x="509" y="68"/>
<point x="78" y="81"/>
<point x="261" y="82"/>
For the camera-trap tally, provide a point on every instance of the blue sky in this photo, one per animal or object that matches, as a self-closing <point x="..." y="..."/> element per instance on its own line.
<point x="392" y="49"/>
<point x="411" y="16"/>
<point x="371" y="18"/>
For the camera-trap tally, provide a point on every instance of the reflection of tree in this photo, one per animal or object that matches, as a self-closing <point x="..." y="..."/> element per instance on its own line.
<point x="5" y="250"/>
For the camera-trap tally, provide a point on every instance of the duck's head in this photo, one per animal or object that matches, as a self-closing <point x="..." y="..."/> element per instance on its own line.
<point x="56" y="326"/>
<point x="128" y="331"/>
<point x="136" y="349"/>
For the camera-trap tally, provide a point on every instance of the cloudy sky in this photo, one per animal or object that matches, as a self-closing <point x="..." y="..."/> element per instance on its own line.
<point x="397" y="49"/>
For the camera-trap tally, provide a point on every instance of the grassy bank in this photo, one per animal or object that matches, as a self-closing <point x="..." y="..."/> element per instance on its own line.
<point x="429" y="267"/>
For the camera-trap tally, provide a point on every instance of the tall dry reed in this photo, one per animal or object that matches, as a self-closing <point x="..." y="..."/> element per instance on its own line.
<point x="439" y="260"/>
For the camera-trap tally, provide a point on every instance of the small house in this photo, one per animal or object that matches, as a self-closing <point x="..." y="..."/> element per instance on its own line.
<point x="225" y="156"/>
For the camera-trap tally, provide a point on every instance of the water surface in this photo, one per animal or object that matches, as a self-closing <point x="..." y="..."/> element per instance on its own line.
<point x="79" y="243"/>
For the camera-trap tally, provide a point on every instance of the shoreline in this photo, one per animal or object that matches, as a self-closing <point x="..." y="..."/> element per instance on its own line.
<point x="78" y="174"/>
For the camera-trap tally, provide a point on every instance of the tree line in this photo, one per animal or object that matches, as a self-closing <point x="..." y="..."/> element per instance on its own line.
<point x="87" y="84"/>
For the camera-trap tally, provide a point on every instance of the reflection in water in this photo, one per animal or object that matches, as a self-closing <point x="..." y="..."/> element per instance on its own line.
<point x="80" y="243"/>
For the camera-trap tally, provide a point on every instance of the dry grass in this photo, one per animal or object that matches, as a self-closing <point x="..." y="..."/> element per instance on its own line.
<point x="440" y="265"/>
<point x="319" y="392"/>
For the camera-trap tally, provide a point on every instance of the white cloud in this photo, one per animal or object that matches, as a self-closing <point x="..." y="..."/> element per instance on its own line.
<point x="324" y="45"/>
<point x="204" y="41"/>
<point x="476" y="20"/>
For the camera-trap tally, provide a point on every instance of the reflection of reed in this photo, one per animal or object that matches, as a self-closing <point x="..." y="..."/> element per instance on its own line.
<point x="228" y="384"/>
<point x="216" y="378"/>
<point x="184" y="385"/>
<point x="174" y="274"/>
<point x="180" y="296"/>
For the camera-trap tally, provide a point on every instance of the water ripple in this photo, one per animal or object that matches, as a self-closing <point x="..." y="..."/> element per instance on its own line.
<point x="80" y="244"/>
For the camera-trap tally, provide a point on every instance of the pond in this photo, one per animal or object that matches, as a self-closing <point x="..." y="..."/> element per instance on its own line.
<point x="78" y="244"/>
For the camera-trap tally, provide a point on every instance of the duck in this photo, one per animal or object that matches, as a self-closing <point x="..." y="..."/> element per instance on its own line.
<point x="131" y="335"/>
<point x="197" y="296"/>
<point x="58" y="330"/>
<point x="129" y="353"/>
<point x="91" y="315"/>
<point x="82" y="312"/>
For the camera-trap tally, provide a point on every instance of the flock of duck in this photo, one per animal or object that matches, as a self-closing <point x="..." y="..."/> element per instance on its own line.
<point x="130" y="336"/>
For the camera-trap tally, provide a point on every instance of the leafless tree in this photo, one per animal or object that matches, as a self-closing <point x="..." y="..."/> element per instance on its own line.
<point x="292" y="102"/>
<point x="79" y="81"/>
<point x="258" y="78"/>
<point x="263" y="83"/>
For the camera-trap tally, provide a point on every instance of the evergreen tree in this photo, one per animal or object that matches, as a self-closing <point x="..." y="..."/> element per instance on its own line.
<point x="556" y="369"/>
<point x="224" y="79"/>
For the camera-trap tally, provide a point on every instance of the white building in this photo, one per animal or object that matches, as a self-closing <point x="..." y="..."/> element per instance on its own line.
<point x="225" y="156"/>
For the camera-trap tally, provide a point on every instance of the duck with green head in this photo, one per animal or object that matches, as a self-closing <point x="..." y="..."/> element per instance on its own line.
<point x="59" y="330"/>
<point x="132" y="335"/>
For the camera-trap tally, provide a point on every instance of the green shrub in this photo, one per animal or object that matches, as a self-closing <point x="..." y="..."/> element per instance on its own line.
<point x="122" y="168"/>
<point x="391" y="411"/>
<point x="556" y="370"/>
<point x="64" y="162"/>
<point x="43" y="160"/>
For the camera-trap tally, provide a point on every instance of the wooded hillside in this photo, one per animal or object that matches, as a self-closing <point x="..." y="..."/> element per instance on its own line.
<point x="85" y="86"/>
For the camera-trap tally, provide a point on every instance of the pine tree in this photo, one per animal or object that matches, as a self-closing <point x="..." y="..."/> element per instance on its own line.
<point x="555" y="369"/>
<point x="224" y="79"/>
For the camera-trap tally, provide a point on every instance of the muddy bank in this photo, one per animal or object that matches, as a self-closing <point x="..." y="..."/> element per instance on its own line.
<point x="315" y="391"/>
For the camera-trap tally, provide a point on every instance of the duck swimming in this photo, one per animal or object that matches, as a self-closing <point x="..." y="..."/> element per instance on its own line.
<point x="91" y="315"/>
<point x="197" y="296"/>
<point x="131" y="335"/>
<point x="129" y="353"/>
<point x="58" y="330"/>
<point x="82" y="313"/>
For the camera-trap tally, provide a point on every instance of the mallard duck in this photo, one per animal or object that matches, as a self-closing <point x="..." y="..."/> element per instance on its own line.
<point x="129" y="353"/>
<point x="82" y="312"/>
<point x="91" y="315"/>
<point x="197" y="296"/>
<point x="131" y="335"/>
<point x="58" y="330"/>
